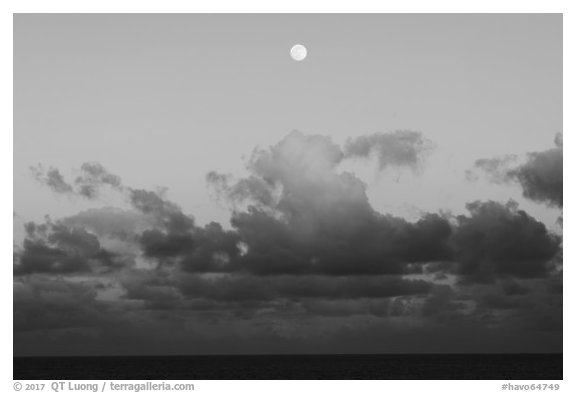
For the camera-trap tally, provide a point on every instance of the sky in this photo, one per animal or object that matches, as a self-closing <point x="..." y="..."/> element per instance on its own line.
<point x="181" y="185"/>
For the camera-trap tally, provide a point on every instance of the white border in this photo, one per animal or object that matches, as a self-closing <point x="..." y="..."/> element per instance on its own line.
<point x="247" y="6"/>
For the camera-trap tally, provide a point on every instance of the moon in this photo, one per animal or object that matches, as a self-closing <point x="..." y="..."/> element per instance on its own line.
<point x="298" y="52"/>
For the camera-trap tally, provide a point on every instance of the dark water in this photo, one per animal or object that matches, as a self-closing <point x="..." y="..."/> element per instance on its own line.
<point x="492" y="366"/>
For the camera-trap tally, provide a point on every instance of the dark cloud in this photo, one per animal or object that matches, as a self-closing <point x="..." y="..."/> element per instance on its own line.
<point x="348" y="307"/>
<point x="513" y="287"/>
<point x="443" y="305"/>
<point x="306" y="255"/>
<point x="495" y="301"/>
<point x="216" y="249"/>
<point x="541" y="176"/>
<point x="502" y="240"/>
<point x="398" y="148"/>
<point x="171" y="235"/>
<point x="351" y="287"/>
<point x="157" y="244"/>
<point x="320" y="222"/>
<point x="56" y="248"/>
<point x="165" y="214"/>
<point x="53" y="303"/>
<point x="535" y="309"/>
<point x="305" y="217"/>
<point x="379" y="245"/>
<point x="240" y="287"/>
<point x="155" y="287"/>
<point x="555" y="284"/>
<point x="177" y="238"/>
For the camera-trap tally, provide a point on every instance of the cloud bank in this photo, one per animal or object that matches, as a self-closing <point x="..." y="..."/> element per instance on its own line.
<point x="306" y="256"/>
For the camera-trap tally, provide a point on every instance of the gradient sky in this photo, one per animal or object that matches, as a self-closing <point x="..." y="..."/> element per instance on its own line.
<point x="163" y="100"/>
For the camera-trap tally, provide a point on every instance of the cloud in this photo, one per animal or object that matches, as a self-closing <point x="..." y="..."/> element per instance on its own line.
<point x="443" y="305"/>
<point x="240" y="287"/>
<point x="559" y="140"/>
<point x="347" y="307"/>
<point x="157" y="244"/>
<point x="302" y="217"/>
<point x="171" y="234"/>
<point x="306" y="255"/>
<point x="51" y="178"/>
<point x="56" y="248"/>
<point x="88" y="184"/>
<point x="175" y="237"/>
<point x="496" y="169"/>
<point x="399" y="148"/>
<point x="535" y="309"/>
<point x="42" y="302"/>
<point x="216" y="250"/>
<point x="502" y="240"/>
<point x="93" y="177"/>
<point x="541" y="176"/>
<point x="110" y="222"/>
<point x="251" y="295"/>
<point x="379" y="245"/>
<point x="300" y="160"/>
<point x="155" y="287"/>
<point x="513" y="287"/>
<point x="165" y="214"/>
<point x="252" y="189"/>
<point x="305" y="217"/>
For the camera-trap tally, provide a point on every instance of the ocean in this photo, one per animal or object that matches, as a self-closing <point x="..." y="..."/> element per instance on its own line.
<point x="254" y="367"/>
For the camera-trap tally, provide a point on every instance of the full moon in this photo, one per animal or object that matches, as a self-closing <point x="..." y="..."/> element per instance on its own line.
<point x="298" y="52"/>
